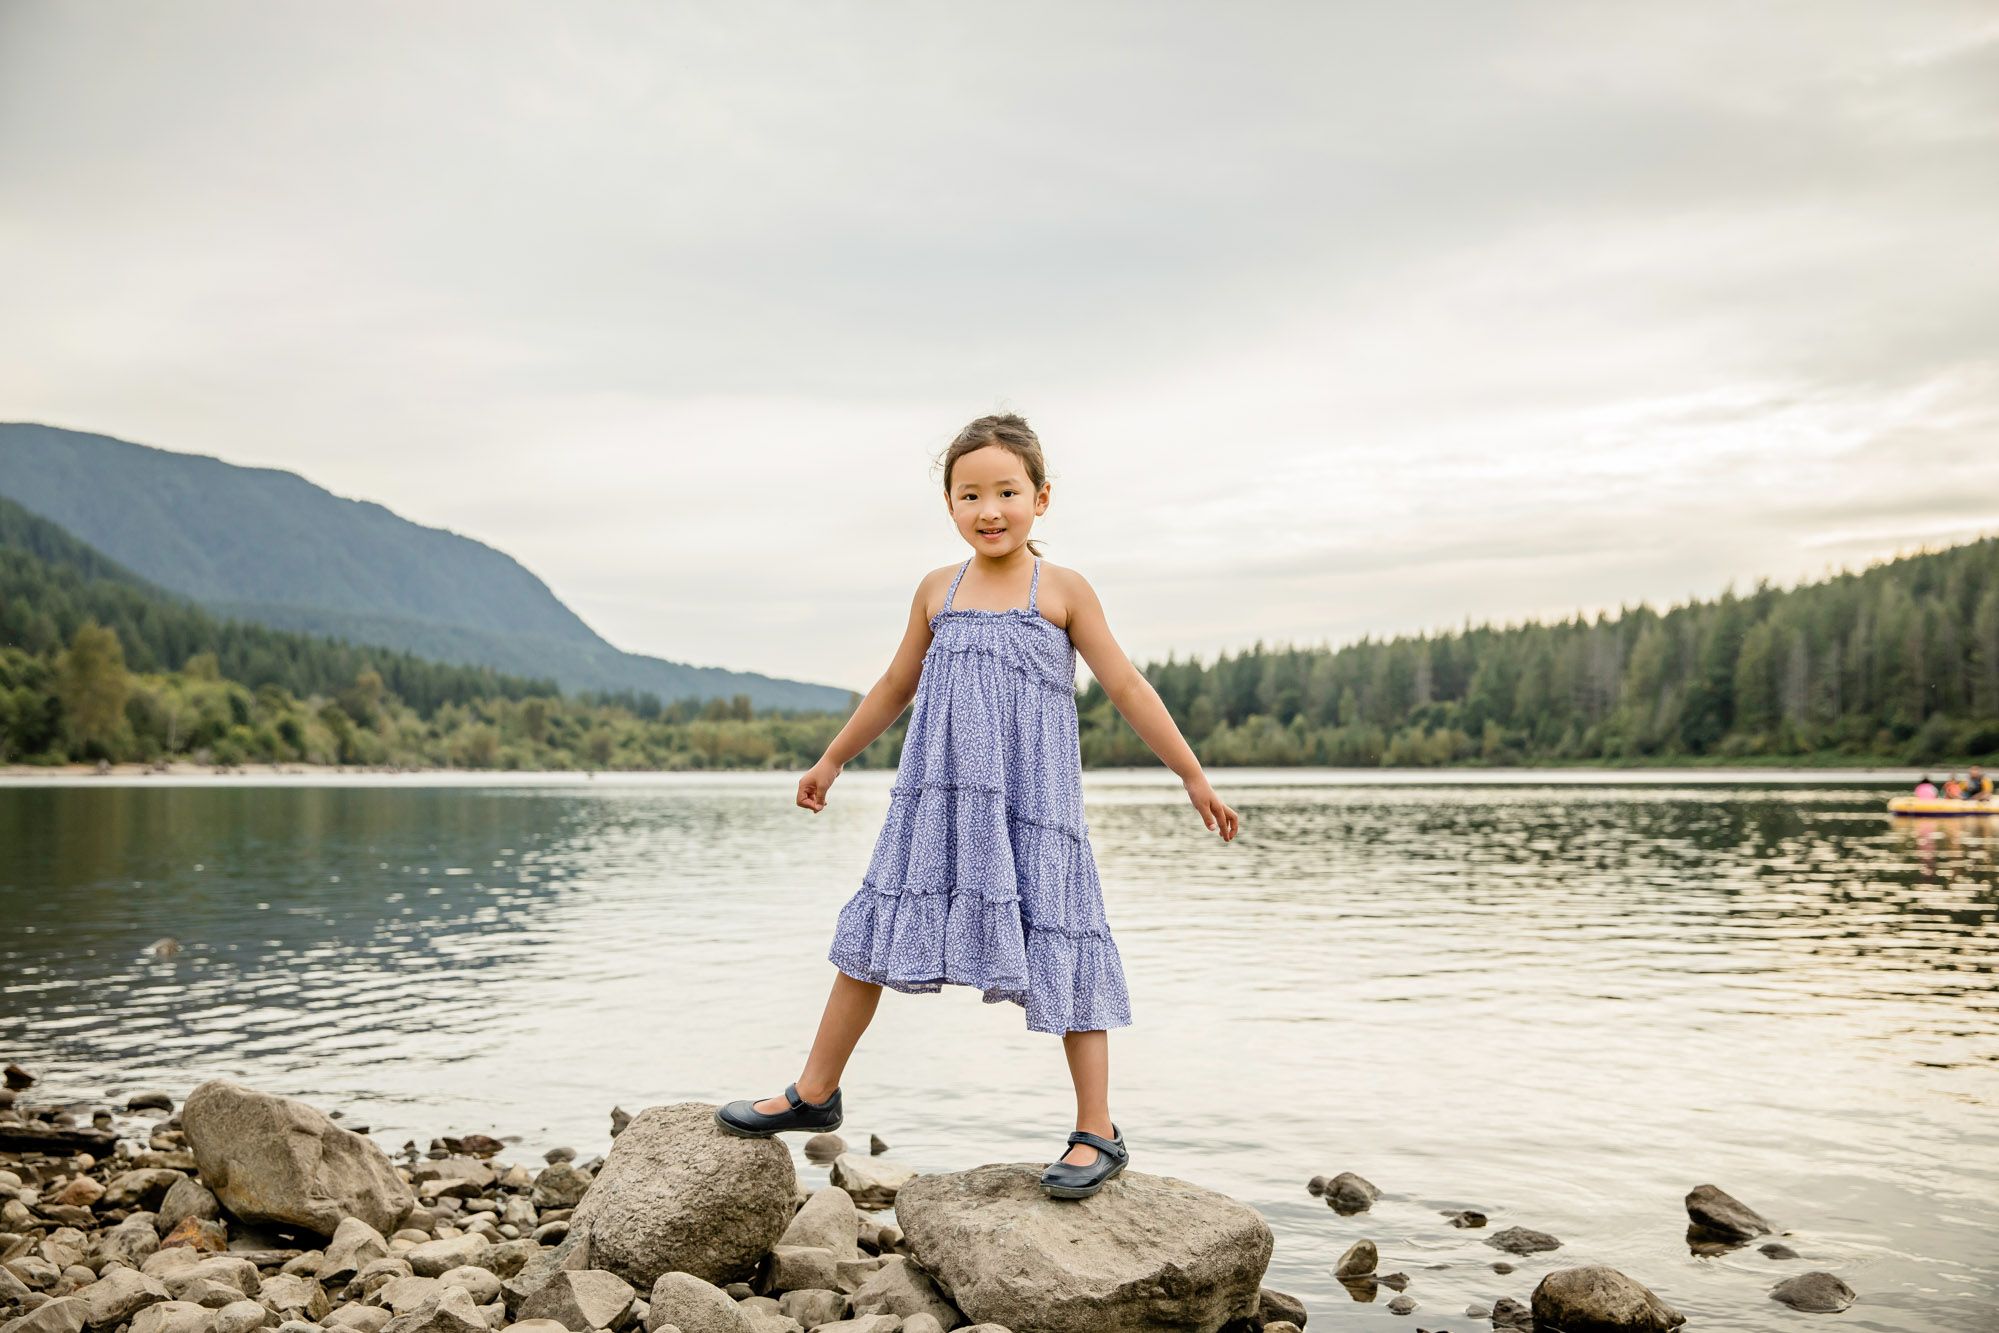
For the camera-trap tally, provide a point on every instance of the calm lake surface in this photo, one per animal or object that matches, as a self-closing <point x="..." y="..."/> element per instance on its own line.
<point x="1563" y="1004"/>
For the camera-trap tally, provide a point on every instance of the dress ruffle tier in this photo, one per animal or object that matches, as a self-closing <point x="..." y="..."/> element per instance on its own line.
<point x="983" y="875"/>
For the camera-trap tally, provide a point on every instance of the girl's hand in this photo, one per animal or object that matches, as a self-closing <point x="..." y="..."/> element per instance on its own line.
<point x="1218" y="817"/>
<point x="812" y="788"/>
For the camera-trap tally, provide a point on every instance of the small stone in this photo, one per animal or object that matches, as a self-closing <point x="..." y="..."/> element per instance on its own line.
<point x="824" y="1147"/>
<point x="899" y="1287"/>
<point x="434" y="1258"/>
<point x="185" y="1199"/>
<point x="1348" y="1194"/>
<point x="559" y="1155"/>
<point x="1282" y="1326"/>
<point x="1502" y="1267"/>
<point x="693" y="1306"/>
<point x="850" y="1274"/>
<point x="120" y="1294"/>
<point x="1814" y="1293"/>
<point x="18" y="1078"/>
<point x="535" y="1326"/>
<point x="1275" y="1306"/>
<point x="1510" y="1316"/>
<point x="1402" y="1305"/>
<point x="451" y="1311"/>
<point x="1598" y="1297"/>
<point x="64" y="1315"/>
<point x="580" y="1300"/>
<point x="620" y="1117"/>
<point x="1316" y="1186"/>
<point x="1523" y="1240"/>
<point x="291" y="1296"/>
<point x="1393" y="1281"/>
<point x="549" y="1233"/>
<point x="404" y="1294"/>
<point x="796" y="1268"/>
<point x="185" y="1270"/>
<point x="812" y="1306"/>
<point x="149" y="1101"/>
<point x="868" y="1323"/>
<point x="198" y="1234"/>
<point x="1467" y="1217"/>
<point x="1777" y="1250"/>
<point x="209" y="1294"/>
<point x="922" y="1323"/>
<point x="354" y="1246"/>
<point x="875" y="1145"/>
<point x="1359" y="1260"/>
<point x="360" y="1318"/>
<point x="1727" y="1217"/>
<point x="139" y="1189"/>
<point x="79" y="1193"/>
<point x="828" y="1221"/>
<point x="1477" y="1311"/>
<point x="132" y="1241"/>
<point x="872" y="1182"/>
<point x="242" y="1317"/>
<point x="480" y="1145"/>
<point x="482" y="1283"/>
<point x="173" y="1317"/>
<point x="559" y="1185"/>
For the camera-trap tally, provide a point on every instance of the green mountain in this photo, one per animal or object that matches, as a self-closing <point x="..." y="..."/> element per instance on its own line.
<point x="268" y="546"/>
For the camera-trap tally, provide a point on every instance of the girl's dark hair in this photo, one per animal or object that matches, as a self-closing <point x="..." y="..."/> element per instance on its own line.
<point x="1009" y="432"/>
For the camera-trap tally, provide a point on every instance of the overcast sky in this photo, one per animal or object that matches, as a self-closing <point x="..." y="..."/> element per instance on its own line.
<point x="1334" y="318"/>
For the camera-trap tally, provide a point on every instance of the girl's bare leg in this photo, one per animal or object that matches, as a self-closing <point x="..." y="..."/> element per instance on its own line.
<point x="1090" y="1070"/>
<point x="849" y="1010"/>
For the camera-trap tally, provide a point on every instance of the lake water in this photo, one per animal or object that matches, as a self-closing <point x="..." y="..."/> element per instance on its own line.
<point x="1562" y="1003"/>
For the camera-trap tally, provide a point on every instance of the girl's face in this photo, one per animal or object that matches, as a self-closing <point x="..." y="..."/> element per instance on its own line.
<point x="993" y="502"/>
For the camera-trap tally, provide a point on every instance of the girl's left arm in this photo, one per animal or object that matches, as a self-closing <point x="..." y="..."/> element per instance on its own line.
<point x="1134" y="697"/>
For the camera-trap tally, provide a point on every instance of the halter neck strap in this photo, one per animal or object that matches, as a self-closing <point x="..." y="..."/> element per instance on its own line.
<point x="1034" y="585"/>
<point x="955" y="582"/>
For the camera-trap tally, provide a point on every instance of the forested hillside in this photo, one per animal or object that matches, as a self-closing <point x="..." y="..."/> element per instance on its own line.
<point x="270" y="547"/>
<point x="1896" y="663"/>
<point x="96" y="663"/>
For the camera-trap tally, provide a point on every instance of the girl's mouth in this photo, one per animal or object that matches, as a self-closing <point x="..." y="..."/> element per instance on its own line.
<point x="990" y="533"/>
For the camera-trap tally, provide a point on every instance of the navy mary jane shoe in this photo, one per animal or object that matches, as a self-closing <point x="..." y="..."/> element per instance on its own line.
<point x="1063" y="1181"/>
<point x="746" y="1122"/>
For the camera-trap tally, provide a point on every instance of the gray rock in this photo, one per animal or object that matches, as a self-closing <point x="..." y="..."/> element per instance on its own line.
<point x="450" y="1311"/>
<point x="899" y="1287"/>
<point x="571" y="1255"/>
<point x="535" y="1326"/>
<point x="828" y="1221"/>
<point x="223" y="1269"/>
<point x="871" y="1182"/>
<point x="404" y="1294"/>
<point x="299" y="1326"/>
<point x="1523" y="1240"/>
<point x="824" y="1147"/>
<point x="132" y="1241"/>
<point x="867" y="1323"/>
<point x="1814" y="1293"/>
<point x="1359" y="1260"/>
<point x="12" y="1289"/>
<point x="482" y="1283"/>
<point x="985" y="1328"/>
<point x="271" y="1159"/>
<point x="1282" y="1326"/>
<point x="1348" y="1194"/>
<point x="559" y="1185"/>
<point x="796" y="1268"/>
<point x="850" y="1274"/>
<point x="209" y="1294"/>
<point x="1466" y="1217"/>
<point x="1274" y="1307"/>
<point x="1395" y="1281"/>
<point x="173" y="1317"/>
<point x="64" y="1315"/>
<point x="922" y="1323"/>
<point x="677" y="1194"/>
<point x="1510" y="1316"/>
<point x="354" y="1246"/>
<point x="184" y="1199"/>
<point x="581" y="1300"/>
<point x="118" y="1295"/>
<point x="306" y="1263"/>
<point x="1402" y="1305"/>
<point x="1597" y="1299"/>
<point x="291" y="1296"/>
<point x="1776" y="1249"/>
<point x="139" y="1189"/>
<point x="457" y="1167"/>
<point x="243" y="1317"/>
<point x="1477" y="1310"/>
<point x="1725" y="1217"/>
<point x="1146" y="1252"/>
<point x="812" y="1307"/>
<point x="434" y="1258"/>
<point x="360" y="1318"/>
<point x="685" y="1301"/>
<point x="875" y="1145"/>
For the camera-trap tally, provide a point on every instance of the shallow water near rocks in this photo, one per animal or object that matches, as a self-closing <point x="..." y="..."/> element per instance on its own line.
<point x="1558" y="1003"/>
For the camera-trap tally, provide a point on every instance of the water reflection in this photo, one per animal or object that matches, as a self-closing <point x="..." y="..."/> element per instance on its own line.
<point x="1561" y="1006"/>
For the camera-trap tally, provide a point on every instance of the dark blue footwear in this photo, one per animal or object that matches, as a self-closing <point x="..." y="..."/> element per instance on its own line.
<point x="746" y="1122"/>
<point x="1063" y="1181"/>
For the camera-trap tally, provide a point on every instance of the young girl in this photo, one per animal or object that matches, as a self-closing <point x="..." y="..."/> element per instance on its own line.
<point x="982" y="875"/>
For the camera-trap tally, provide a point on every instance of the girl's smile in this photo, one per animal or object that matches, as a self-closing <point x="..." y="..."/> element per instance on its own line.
<point x="993" y="503"/>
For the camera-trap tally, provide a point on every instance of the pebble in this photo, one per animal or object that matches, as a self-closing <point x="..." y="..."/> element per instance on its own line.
<point x="1359" y="1260"/>
<point x="1777" y="1250"/>
<point x="1523" y="1240"/>
<point x="1814" y="1293"/>
<point x="1348" y="1194"/>
<point x="875" y="1145"/>
<point x="1402" y="1305"/>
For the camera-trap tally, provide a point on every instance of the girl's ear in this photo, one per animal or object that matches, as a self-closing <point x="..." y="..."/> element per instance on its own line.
<point x="1041" y="498"/>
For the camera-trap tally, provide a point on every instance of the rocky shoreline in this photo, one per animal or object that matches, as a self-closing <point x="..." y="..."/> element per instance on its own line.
<point x="241" y="1211"/>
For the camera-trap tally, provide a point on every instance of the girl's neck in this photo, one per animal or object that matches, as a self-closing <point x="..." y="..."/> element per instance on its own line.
<point x="1018" y="558"/>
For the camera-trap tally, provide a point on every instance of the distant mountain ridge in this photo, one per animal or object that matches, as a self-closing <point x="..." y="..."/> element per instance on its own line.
<point x="268" y="546"/>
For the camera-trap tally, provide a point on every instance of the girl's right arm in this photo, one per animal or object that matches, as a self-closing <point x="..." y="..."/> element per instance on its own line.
<point x="885" y="701"/>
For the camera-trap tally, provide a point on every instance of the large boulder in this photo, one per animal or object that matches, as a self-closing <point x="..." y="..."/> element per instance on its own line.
<point x="1596" y="1299"/>
<point x="272" y="1159"/>
<point x="677" y="1194"/>
<point x="1147" y="1253"/>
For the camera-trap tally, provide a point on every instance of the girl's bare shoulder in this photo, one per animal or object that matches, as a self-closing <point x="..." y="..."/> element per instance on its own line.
<point x="931" y="590"/>
<point x="1063" y="593"/>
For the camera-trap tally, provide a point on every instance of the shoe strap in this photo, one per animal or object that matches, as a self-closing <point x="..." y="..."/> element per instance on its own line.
<point x="791" y="1095"/>
<point x="1115" y="1151"/>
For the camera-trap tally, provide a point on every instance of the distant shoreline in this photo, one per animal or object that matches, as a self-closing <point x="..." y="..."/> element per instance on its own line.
<point x="1583" y="775"/>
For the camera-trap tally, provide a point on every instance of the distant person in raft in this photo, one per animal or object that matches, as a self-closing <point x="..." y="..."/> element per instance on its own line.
<point x="1926" y="790"/>
<point x="982" y="875"/>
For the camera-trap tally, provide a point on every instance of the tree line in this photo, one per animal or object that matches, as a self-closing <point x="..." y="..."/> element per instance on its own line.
<point x="1896" y="663"/>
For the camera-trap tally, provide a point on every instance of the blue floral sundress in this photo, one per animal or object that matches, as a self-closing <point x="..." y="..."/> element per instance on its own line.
<point x="982" y="875"/>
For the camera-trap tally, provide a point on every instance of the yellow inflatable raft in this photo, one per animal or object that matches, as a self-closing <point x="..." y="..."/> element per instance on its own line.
<point x="1940" y="807"/>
